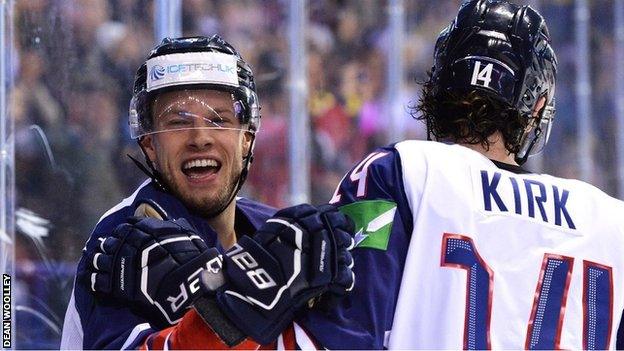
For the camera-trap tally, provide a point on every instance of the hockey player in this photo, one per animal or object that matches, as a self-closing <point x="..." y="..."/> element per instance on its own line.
<point x="195" y="113"/>
<point x="458" y="246"/>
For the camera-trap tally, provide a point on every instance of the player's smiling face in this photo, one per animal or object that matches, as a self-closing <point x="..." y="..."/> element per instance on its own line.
<point x="199" y="162"/>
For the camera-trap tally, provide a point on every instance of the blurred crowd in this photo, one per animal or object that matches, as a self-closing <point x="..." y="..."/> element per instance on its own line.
<point x="73" y="69"/>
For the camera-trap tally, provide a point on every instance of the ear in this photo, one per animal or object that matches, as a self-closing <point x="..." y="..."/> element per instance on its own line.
<point x="248" y="138"/>
<point x="147" y="143"/>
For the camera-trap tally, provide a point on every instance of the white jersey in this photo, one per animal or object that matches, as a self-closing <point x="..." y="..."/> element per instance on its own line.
<point x="483" y="257"/>
<point x="511" y="257"/>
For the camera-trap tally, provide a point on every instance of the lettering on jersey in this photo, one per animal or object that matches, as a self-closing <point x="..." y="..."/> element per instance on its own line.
<point x="490" y="193"/>
<point x="373" y="222"/>
<point x="505" y="193"/>
<point x="539" y="199"/>
<point x="560" y="208"/>
<point x="358" y="175"/>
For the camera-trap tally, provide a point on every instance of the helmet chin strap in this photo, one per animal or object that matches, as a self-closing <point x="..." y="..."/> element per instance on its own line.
<point x="151" y="172"/>
<point x="522" y="159"/>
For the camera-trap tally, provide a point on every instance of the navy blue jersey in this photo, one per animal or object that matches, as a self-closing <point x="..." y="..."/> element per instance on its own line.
<point x="93" y="323"/>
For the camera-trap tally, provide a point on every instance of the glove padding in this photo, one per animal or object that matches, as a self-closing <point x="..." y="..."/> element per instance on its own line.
<point x="292" y="259"/>
<point x="154" y="265"/>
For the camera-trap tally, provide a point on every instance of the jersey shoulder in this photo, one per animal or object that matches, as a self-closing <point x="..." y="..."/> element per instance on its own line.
<point x="424" y="154"/>
<point x="393" y="177"/>
<point x="427" y="166"/>
<point x="255" y="211"/>
<point x="585" y="187"/>
<point x="255" y="206"/>
<point x="165" y="203"/>
<point x="123" y="209"/>
<point x="594" y="202"/>
<point x="376" y="176"/>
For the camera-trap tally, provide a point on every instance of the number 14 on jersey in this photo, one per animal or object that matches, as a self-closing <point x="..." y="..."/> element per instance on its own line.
<point x="546" y="318"/>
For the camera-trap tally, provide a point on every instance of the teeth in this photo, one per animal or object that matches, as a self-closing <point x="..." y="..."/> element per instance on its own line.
<point x="205" y="162"/>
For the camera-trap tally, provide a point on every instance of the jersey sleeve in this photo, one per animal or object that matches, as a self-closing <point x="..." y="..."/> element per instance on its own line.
<point x="372" y="195"/>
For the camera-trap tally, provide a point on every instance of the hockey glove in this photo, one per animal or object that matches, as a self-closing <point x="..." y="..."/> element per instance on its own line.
<point x="293" y="258"/>
<point x="154" y="265"/>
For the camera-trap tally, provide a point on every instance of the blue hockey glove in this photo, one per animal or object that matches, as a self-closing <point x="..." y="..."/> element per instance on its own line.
<point x="299" y="254"/>
<point x="154" y="265"/>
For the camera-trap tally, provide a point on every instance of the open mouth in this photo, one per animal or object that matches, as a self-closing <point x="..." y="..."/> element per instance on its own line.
<point x="200" y="168"/>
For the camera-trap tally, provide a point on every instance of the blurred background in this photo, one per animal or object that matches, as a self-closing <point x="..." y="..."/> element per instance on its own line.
<point x="344" y="72"/>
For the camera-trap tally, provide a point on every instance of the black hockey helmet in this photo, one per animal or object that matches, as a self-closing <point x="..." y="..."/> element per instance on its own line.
<point x="502" y="50"/>
<point x="191" y="63"/>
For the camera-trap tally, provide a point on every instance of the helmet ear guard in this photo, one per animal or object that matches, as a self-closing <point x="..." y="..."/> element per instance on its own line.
<point x="503" y="51"/>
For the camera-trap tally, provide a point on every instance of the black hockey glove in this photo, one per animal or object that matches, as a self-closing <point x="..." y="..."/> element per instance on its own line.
<point x="293" y="258"/>
<point x="154" y="265"/>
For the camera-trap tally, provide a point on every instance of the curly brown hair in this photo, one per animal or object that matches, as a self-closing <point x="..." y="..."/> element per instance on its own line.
<point x="468" y="117"/>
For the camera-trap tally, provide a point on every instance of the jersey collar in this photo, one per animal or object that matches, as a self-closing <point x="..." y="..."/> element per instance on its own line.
<point x="511" y="168"/>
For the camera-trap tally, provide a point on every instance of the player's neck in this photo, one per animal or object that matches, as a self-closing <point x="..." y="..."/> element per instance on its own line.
<point x="223" y="224"/>
<point x="496" y="150"/>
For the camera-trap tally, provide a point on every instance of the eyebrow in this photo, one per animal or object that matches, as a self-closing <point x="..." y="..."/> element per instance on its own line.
<point x="223" y="109"/>
<point x="225" y="113"/>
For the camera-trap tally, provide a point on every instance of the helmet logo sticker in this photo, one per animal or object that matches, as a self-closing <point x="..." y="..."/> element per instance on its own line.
<point x="191" y="68"/>
<point x="482" y="77"/>
<point x="157" y="72"/>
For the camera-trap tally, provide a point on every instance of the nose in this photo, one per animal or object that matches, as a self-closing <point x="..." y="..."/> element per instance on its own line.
<point x="200" y="138"/>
